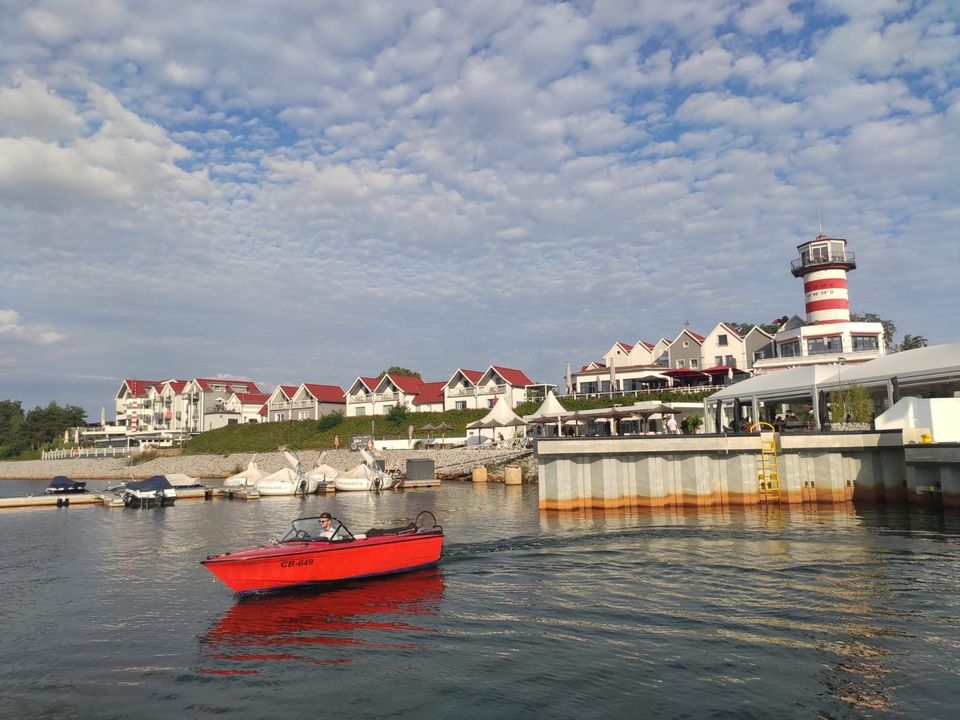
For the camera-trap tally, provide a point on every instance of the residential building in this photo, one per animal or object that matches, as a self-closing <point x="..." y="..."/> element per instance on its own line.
<point x="205" y="401"/>
<point x="278" y="404"/>
<point x="312" y="401"/>
<point x="460" y="391"/>
<point x="686" y="351"/>
<point x="245" y="408"/>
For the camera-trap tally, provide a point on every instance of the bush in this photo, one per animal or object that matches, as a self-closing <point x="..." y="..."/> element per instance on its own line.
<point x="853" y="401"/>
<point x="328" y="422"/>
<point x="693" y="423"/>
<point x="397" y="414"/>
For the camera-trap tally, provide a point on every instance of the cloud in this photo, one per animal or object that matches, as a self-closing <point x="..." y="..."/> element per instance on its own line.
<point x="300" y="195"/>
<point x="10" y="325"/>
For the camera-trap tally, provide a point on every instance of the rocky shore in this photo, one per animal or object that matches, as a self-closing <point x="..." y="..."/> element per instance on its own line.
<point x="448" y="463"/>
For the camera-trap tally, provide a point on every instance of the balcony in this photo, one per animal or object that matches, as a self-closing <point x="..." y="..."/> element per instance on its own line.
<point x="802" y="265"/>
<point x="492" y="390"/>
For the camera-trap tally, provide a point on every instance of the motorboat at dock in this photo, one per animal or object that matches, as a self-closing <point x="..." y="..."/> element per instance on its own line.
<point x="155" y="491"/>
<point x="62" y="485"/>
<point x="293" y="480"/>
<point x="245" y="479"/>
<point x="366" y="476"/>
<point x="309" y="554"/>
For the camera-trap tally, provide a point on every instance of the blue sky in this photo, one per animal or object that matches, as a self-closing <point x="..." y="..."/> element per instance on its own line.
<point x="308" y="191"/>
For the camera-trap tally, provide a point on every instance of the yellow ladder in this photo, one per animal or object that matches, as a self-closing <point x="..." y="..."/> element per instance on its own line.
<point x="768" y="475"/>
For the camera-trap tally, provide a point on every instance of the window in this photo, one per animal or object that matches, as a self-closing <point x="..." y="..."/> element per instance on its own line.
<point x="790" y="349"/>
<point x="731" y="361"/>
<point x="278" y="417"/>
<point x="361" y="411"/>
<point x="718" y="360"/>
<point x="489" y="403"/>
<point x="722" y="340"/>
<point x="694" y="362"/>
<point x="680" y="364"/>
<point x="303" y="415"/>
<point x="686" y="343"/>
<point x="866" y="342"/>
<point x="460" y="405"/>
<point x="822" y="345"/>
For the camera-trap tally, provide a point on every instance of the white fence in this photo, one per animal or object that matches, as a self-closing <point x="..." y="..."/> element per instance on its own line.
<point x="105" y="452"/>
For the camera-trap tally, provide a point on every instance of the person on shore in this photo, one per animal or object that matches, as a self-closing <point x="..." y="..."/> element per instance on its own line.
<point x="336" y="442"/>
<point x="671" y="425"/>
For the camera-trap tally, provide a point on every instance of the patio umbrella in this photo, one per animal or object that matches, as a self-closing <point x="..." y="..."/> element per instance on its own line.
<point x="442" y="428"/>
<point x="428" y="428"/>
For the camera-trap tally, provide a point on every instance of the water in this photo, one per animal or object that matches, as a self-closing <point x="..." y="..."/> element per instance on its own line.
<point x="843" y="613"/>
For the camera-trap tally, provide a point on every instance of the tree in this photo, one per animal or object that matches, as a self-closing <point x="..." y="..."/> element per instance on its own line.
<point x="912" y="342"/>
<point x="889" y="329"/>
<point x="400" y="371"/>
<point x="397" y="414"/>
<point x="11" y="418"/>
<point x="693" y="423"/>
<point x="42" y="425"/>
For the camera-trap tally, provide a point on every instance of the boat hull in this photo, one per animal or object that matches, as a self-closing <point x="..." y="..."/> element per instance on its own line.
<point x="292" y="564"/>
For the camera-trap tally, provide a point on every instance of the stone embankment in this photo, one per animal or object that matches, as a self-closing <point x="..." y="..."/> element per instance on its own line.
<point x="448" y="463"/>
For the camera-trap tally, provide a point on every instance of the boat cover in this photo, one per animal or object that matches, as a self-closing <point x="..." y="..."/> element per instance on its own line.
<point x="62" y="481"/>
<point x="157" y="482"/>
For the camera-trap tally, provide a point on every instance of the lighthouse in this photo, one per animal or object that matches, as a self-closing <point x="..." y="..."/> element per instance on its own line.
<point x="828" y="336"/>
<point x="823" y="264"/>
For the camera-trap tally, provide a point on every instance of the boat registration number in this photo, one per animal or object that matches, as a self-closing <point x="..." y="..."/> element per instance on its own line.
<point x="296" y="563"/>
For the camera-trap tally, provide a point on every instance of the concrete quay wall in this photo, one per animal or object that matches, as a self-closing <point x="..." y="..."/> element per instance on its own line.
<point x="934" y="470"/>
<point x="705" y="470"/>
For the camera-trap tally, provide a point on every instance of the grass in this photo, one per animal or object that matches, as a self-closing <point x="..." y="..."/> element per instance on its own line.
<point x="307" y="435"/>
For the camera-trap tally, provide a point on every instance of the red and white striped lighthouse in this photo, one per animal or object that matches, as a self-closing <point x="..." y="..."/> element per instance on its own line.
<point x="823" y="264"/>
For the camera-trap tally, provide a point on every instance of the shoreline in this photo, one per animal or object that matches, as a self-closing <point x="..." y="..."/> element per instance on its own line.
<point x="448" y="463"/>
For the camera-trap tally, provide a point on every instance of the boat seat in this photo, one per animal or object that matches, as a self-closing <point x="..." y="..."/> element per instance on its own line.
<point x="380" y="532"/>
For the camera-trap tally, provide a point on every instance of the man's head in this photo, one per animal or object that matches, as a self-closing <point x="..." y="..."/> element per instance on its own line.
<point x="325" y="519"/>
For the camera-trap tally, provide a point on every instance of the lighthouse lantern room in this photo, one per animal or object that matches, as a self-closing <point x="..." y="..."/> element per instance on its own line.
<point x="823" y="264"/>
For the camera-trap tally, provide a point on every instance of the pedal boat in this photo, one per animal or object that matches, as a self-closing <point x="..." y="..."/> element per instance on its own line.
<point x="305" y="557"/>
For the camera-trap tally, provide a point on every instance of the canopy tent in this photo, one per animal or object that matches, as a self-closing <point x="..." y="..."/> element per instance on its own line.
<point x="796" y="383"/>
<point x="550" y="412"/>
<point x="936" y="365"/>
<point x="500" y="416"/>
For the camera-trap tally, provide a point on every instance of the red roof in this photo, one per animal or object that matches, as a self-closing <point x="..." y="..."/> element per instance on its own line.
<point x="471" y="375"/>
<point x="647" y="345"/>
<point x="326" y="393"/>
<point x="430" y="392"/>
<point x="252" y="398"/>
<point x="369" y="382"/>
<point x="517" y="378"/>
<point x="262" y="411"/>
<point x="624" y="345"/>
<point x="288" y="390"/>
<point x="408" y="384"/>
<point x="177" y="385"/>
<point x="248" y="385"/>
<point x="139" y="388"/>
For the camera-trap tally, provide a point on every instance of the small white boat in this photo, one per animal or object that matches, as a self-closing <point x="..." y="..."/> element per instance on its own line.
<point x="365" y="476"/>
<point x="293" y="480"/>
<point x="247" y="478"/>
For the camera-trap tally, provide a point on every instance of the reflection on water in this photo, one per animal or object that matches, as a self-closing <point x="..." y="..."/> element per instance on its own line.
<point x="308" y="626"/>
<point x="702" y="612"/>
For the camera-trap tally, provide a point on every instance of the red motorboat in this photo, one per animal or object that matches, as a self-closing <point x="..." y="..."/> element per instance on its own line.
<point x="312" y="553"/>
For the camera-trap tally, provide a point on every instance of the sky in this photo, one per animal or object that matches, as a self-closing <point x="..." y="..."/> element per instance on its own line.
<point x="308" y="191"/>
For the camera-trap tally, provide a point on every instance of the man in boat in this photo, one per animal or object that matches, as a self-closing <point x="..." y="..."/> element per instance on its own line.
<point x="328" y="531"/>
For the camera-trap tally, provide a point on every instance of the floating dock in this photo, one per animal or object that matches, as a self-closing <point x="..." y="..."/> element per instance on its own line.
<point x="53" y="500"/>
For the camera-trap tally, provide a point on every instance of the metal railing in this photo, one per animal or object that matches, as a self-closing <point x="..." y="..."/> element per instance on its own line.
<point x="683" y="390"/>
<point x="843" y="259"/>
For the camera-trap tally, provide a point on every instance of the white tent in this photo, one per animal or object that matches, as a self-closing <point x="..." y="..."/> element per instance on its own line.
<point x="800" y="382"/>
<point x="500" y="416"/>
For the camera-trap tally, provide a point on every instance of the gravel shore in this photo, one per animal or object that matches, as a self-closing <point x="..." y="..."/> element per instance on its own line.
<point x="448" y="463"/>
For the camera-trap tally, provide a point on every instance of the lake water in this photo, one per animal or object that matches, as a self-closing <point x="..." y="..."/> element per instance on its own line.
<point x="809" y="614"/>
